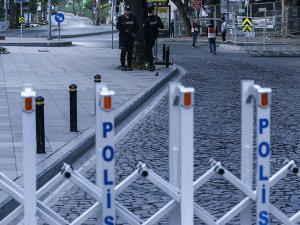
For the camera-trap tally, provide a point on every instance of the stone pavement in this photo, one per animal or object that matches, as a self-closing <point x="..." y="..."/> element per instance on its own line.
<point x="51" y="71"/>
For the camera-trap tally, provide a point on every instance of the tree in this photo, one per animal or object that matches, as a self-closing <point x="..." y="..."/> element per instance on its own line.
<point x="139" y="9"/>
<point x="182" y="9"/>
<point x="286" y="6"/>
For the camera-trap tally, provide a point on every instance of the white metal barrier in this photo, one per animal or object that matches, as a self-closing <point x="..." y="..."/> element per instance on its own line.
<point x="181" y="186"/>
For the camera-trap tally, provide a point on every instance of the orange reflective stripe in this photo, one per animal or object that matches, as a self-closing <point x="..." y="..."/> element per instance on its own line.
<point x="107" y="103"/>
<point x="264" y="99"/>
<point x="28" y="104"/>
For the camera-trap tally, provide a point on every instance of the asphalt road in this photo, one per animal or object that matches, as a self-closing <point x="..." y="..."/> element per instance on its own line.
<point x="216" y="79"/>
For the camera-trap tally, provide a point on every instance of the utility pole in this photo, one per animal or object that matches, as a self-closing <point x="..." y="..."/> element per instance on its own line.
<point x="49" y="20"/>
<point x="5" y="14"/>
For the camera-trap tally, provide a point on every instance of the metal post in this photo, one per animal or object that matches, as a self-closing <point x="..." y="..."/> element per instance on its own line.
<point x="21" y="12"/>
<point x="29" y="145"/>
<point x="97" y="80"/>
<point x="186" y="103"/>
<point x="58" y="31"/>
<point x="167" y="56"/>
<point x="246" y="145"/>
<point x="73" y="107"/>
<point x="112" y="24"/>
<point x="5" y="14"/>
<point x="174" y="145"/>
<point x="107" y="167"/>
<point x="49" y="20"/>
<point x="40" y="125"/>
<point x="164" y="52"/>
<point x="263" y="102"/>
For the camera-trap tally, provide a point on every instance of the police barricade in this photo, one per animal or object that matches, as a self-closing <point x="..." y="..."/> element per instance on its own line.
<point x="106" y="207"/>
<point x="181" y="208"/>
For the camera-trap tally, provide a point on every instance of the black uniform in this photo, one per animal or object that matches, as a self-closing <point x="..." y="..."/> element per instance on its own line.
<point x="151" y="25"/>
<point x="128" y="27"/>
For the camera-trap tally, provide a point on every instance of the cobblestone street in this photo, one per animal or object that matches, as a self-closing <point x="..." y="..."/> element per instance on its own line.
<point x="216" y="79"/>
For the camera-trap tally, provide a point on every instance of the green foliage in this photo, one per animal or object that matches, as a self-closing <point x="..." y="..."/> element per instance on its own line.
<point x="87" y="10"/>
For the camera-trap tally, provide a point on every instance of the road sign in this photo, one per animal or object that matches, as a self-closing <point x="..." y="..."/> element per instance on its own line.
<point x="247" y="23"/>
<point x="59" y="17"/>
<point x="197" y="4"/>
<point x="21" y="1"/>
<point x="21" y="19"/>
<point x="249" y="34"/>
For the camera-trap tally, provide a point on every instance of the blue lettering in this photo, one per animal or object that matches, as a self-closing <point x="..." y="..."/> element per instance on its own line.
<point x="261" y="173"/>
<point x="267" y="151"/>
<point x="106" y="181"/>
<point x="264" y="218"/>
<point x="107" y="127"/>
<point x="263" y="194"/>
<point x="108" y="149"/>
<point x="109" y="220"/>
<point x="108" y="197"/>
<point x="263" y="123"/>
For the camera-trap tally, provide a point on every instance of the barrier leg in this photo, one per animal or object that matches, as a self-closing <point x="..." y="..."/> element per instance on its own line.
<point x="174" y="145"/>
<point x="246" y="145"/>
<point x="29" y="147"/>
<point x="186" y="102"/>
<point x="107" y="154"/>
<point x="263" y="101"/>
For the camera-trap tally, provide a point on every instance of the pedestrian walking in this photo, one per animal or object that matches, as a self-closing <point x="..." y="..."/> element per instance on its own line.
<point x="172" y="31"/>
<point x="128" y="27"/>
<point x="211" y="34"/>
<point x="150" y="28"/>
<point x="196" y="29"/>
<point x="223" y="29"/>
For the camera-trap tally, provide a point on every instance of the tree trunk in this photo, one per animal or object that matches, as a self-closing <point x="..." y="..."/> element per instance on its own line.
<point x="183" y="14"/>
<point x="286" y="6"/>
<point x="73" y="5"/>
<point x="12" y="12"/>
<point x="139" y="10"/>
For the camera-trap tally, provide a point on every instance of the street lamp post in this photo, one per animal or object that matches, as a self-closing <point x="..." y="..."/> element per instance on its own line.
<point x="49" y="20"/>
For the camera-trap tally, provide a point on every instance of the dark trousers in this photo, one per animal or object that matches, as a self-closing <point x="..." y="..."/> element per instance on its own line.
<point x="212" y="45"/>
<point x="148" y="51"/>
<point x="127" y="49"/>
<point x="223" y="36"/>
<point x="195" y="36"/>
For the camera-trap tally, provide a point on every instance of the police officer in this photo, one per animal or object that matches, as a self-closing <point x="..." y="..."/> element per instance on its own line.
<point x="128" y="27"/>
<point x="150" y="27"/>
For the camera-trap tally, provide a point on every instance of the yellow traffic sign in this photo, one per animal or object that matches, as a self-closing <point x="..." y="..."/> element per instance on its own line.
<point x="247" y="24"/>
<point x="21" y="19"/>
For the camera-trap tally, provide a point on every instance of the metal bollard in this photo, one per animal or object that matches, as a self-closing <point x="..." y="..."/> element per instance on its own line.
<point x="40" y="125"/>
<point x="73" y="107"/>
<point x="97" y="79"/>
<point x="164" y="52"/>
<point x="167" y="56"/>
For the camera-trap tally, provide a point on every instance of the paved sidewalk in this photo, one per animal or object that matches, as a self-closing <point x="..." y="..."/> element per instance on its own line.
<point x="52" y="70"/>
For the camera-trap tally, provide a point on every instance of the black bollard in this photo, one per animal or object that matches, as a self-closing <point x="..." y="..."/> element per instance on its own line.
<point x="164" y="52"/>
<point x="73" y="107"/>
<point x="40" y="125"/>
<point x="167" y="56"/>
<point x="97" y="79"/>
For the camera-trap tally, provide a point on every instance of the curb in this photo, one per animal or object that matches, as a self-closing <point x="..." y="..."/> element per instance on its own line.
<point x="38" y="44"/>
<point x="78" y="146"/>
